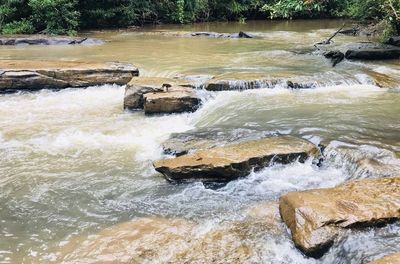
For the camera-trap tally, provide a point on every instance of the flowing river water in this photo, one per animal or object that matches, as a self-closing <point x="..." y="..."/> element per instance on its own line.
<point x="77" y="183"/>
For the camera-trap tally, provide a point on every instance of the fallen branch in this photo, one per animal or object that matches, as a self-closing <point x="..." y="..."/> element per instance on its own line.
<point x="329" y="40"/>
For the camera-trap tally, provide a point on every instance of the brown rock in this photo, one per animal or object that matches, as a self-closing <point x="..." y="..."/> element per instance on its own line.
<point x="137" y="241"/>
<point x="390" y="259"/>
<point x="247" y="81"/>
<point x="33" y="75"/>
<point x="383" y="80"/>
<point x="138" y="87"/>
<point x="316" y="216"/>
<point x="46" y="40"/>
<point x="177" y="100"/>
<point x="236" y="160"/>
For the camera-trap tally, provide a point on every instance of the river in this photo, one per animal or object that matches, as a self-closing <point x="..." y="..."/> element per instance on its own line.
<point x="73" y="162"/>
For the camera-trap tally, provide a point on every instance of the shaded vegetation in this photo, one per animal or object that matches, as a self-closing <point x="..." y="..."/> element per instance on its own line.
<point x="68" y="16"/>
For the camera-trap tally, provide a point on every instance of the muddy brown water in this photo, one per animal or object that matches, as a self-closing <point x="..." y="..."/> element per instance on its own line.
<point x="76" y="169"/>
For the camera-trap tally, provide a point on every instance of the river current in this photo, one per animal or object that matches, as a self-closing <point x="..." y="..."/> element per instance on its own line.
<point x="76" y="175"/>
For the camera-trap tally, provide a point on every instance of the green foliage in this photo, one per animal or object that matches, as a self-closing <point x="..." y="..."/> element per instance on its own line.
<point x="67" y="16"/>
<point x="22" y="26"/>
<point x="299" y="8"/>
<point x="55" y="16"/>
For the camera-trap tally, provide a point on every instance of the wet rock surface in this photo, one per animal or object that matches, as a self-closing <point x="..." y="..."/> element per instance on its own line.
<point x="236" y="160"/>
<point x="315" y="217"/>
<point x="390" y="259"/>
<point x="246" y="81"/>
<point x="174" y="240"/>
<point x="177" y="99"/>
<point x="138" y="87"/>
<point x="183" y="143"/>
<point x="373" y="54"/>
<point x="33" y="75"/>
<point x="47" y="40"/>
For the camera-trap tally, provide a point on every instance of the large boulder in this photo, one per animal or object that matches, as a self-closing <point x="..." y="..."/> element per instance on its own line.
<point x="47" y="40"/>
<point x="236" y="160"/>
<point x="34" y="75"/>
<point x="315" y="217"/>
<point x="246" y="81"/>
<point x="177" y="99"/>
<point x="390" y="259"/>
<point x="373" y="54"/>
<point x="138" y="87"/>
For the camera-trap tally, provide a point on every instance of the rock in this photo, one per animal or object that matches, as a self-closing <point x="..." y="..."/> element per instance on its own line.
<point x="236" y="160"/>
<point x="384" y="80"/>
<point x="177" y="99"/>
<point x="373" y="54"/>
<point x="390" y="259"/>
<point x="137" y="241"/>
<point x="138" y="87"/>
<point x="395" y="41"/>
<point x="241" y="34"/>
<point x="246" y="81"/>
<point x="47" y="40"/>
<point x="34" y="75"/>
<point x="183" y="143"/>
<point x="349" y="32"/>
<point x="336" y="56"/>
<point x="244" y="35"/>
<point x="315" y="217"/>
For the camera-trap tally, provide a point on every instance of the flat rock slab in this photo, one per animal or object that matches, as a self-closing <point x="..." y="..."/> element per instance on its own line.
<point x="177" y="99"/>
<point x="236" y="160"/>
<point x="315" y="217"/>
<point x="373" y="54"/>
<point x="183" y="143"/>
<point x="390" y="259"/>
<point x="24" y="40"/>
<point x="247" y="81"/>
<point x="138" y="87"/>
<point x="34" y="75"/>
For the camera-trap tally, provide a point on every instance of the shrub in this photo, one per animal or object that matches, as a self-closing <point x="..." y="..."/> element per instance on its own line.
<point x="23" y="26"/>
<point x="55" y="16"/>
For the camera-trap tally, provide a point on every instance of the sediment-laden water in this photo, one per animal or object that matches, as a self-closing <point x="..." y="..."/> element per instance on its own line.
<point x="77" y="183"/>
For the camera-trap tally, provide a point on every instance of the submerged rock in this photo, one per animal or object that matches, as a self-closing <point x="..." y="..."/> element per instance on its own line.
<point x="236" y="160"/>
<point x="177" y="99"/>
<point x="316" y="216"/>
<point x="139" y="240"/>
<point x="373" y="54"/>
<point x="138" y="87"/>
<point x="395" y="41"/>
<point x="390" y="259"/>
<point x="47" y="40"/>
<point x="246" y="81"/>
<point x="241" y="34"/>
<point x="383" y="80"/>
<point x="34" y="75"/>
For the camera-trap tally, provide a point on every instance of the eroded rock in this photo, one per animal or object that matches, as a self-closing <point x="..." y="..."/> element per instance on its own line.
<point x="47" y="40"/>
<point x="246" y="81"/>
<point x="34" y="75"/>
<point x="177" y="99"/>
<point x="138" y="87"/>
<point x="315" y="217"/>
<point x="236" y="160"/>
